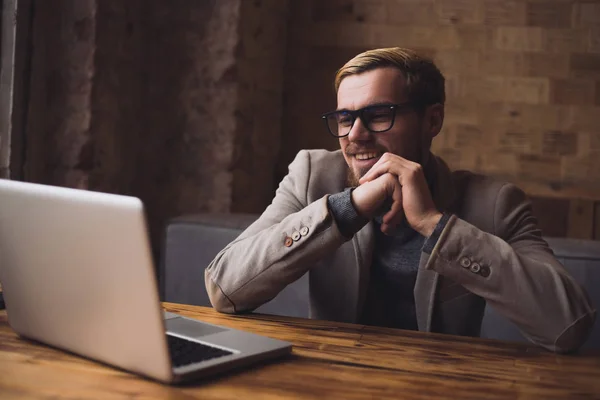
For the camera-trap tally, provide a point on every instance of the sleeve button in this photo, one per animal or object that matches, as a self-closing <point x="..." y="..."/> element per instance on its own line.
<point x="288" y="241"/>
<point x="296" y="236"/>
<point x="475" y="268"/>
<point x="304" y="231"/>
<point x="465" y="262"/>
<point x="485" y="271"/>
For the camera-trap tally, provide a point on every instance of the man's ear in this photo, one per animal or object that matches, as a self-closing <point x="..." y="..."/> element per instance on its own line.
<point x="434" y="118"/>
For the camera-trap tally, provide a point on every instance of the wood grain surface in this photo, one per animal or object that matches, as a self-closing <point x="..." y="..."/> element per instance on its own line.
<point x="329" y="360"/>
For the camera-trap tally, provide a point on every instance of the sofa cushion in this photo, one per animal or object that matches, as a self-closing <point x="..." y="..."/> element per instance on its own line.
<point x="192" y="242"/>
<point x="582" y="259"/>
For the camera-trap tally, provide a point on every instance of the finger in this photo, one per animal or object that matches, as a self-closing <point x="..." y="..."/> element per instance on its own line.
<point x="396" y="208"/>
<point x="396" y="214"/>
<point x="387" y="163"/>
<point x="392" y="219"/>
<point x="380" y="168"/>
<point x="371" y="174"/>
<point x="408" y="174"/>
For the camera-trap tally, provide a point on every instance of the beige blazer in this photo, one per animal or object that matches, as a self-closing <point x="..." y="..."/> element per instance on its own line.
<point x="490" y="251"/>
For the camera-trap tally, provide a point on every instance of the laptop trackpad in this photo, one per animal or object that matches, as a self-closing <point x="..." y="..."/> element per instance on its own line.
<point x="186" y="327"/>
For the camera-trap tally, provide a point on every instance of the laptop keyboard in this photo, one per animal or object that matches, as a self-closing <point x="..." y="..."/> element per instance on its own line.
<point x="185" y="352"/>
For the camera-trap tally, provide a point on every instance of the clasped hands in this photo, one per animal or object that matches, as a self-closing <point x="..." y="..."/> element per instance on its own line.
<point x="402" y="181"/>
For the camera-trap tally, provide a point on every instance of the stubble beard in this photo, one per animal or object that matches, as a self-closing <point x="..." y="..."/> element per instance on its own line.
<point x="352" y="177"/>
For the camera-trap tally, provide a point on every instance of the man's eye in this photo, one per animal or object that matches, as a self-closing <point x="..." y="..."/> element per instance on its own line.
<point x="345" y="120"/>
<point x="379" y="116"/>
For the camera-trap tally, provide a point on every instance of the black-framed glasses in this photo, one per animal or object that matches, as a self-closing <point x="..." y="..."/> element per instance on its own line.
<point x="376" y="118"/>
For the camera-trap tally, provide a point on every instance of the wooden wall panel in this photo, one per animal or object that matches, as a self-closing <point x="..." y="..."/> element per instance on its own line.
<point x="581" y="219"/>
<point x="597" y="221"/>
<point x="553" y="215"/>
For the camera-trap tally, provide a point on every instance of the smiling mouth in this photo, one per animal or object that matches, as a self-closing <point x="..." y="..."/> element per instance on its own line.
<point x="366" y="156"/>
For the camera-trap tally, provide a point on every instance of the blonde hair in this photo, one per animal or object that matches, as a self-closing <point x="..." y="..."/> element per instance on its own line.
<point x="424" y="81"/>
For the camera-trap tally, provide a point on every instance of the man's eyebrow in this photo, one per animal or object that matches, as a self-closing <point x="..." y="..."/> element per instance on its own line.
<point x="378" y="103"/>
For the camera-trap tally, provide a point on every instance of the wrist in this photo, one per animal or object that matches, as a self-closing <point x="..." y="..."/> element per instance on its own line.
<point x="358" y="200"/>
<point x="430" y="223"/>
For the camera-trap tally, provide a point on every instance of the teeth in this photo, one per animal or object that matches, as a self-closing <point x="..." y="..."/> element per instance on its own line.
<point x="365" y="156"/>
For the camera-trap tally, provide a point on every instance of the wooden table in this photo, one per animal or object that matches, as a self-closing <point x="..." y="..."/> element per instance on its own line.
<point x="329" y="360"/>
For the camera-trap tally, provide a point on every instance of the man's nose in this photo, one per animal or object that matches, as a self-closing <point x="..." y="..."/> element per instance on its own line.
<point x="359" y="132"/>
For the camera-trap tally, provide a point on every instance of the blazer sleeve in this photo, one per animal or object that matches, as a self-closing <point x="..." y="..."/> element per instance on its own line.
<point x="277" y="249"/>
<point x="517" y="274"/>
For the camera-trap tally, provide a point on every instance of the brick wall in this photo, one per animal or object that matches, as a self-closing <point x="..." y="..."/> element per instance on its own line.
<point x="523" y="87"/>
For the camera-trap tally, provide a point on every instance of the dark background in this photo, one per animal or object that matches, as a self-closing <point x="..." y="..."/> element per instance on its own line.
<point x="199" y="105"/>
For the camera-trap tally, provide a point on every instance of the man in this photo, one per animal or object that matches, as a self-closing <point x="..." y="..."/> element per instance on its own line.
<point x="390" y="236"/>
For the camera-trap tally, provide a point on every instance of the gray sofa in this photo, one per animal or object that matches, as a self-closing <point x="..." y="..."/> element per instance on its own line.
<point x="191" y="242"/>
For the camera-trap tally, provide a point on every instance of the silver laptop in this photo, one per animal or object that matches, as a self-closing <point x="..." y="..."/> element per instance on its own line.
<point x="77" y="274"/>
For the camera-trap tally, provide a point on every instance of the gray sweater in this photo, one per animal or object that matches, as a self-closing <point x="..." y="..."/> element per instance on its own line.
<point x="390" y="301"/>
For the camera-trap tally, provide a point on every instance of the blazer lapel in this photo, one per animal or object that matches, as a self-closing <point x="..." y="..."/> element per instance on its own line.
<point x="425" y="291"/>
<point x="363" y="243"/>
